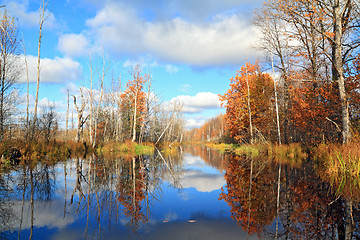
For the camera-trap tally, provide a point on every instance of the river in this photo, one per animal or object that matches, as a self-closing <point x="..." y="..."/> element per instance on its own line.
<point x="196" y="193"/>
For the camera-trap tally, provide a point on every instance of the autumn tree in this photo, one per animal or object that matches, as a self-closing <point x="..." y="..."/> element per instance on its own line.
<point x="9" y="68"/>
<point x="255" y="213"/>
<point x="235" y="100"/>
<point x="131" y="189"/>
<point x="133" y="102"/>
<point x="336" y="24"/>
<point x="213" y="129"/>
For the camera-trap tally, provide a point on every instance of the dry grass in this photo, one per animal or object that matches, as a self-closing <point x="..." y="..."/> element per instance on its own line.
<point x="221" y="147"/>
<point x="291" y="154"/>
<point x="341" y="167"/>
<point x="128" y="147"/>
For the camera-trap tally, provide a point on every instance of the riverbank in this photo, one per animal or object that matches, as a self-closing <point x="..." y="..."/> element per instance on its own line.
<point x="15" y="151"/>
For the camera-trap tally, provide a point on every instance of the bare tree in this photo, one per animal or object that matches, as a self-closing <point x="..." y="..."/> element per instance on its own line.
<point x="175" y="115"/>
<point x="9" y="68"/>
<point x="102" y="78"/>
<point x="91" y="117"/>
<point x="42" y="19"/>
<point x="48" y="123"/>
<point x="276" y="42"/>
<point x="27" y="92"/>
<point x="337" y="22"/>
<point x="80" y="112"/>
<point x="67" y="115"/>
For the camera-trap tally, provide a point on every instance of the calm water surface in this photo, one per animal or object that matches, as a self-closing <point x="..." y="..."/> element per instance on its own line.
<point x="196" y="194"/>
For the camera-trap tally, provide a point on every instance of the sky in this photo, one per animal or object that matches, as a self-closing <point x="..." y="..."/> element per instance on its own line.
<point x="191" y="48"/>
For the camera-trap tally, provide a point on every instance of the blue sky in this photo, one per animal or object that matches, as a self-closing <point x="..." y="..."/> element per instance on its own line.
<point x="191" y="47"/>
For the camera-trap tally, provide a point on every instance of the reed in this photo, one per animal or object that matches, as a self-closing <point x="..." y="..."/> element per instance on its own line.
<point x="292" y="154"/>
<point x="144" y="149"/>
<point x="249" y="150"/>
<point x="221" y="147"/>
<point x="342" y="167"/>
<point x="127" y="147"/>
<point x="169" y="151"/>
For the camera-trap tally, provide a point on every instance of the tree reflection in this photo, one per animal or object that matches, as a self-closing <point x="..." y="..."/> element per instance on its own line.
<point x="121" y="191"/>
<point x="210" y="156"/>
<point x="308" y="208"/>
<point x="131" y="189"/>
<point x="6" y="211"/>
<point x="251" y="210"/>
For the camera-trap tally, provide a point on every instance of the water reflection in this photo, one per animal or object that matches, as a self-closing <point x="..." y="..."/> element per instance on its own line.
<point x="97" y="198"/>
<point x="196" y="193"/>
<point x="308" y="207"/>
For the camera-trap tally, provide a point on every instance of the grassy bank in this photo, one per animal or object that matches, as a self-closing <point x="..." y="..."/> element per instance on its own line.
<point x="128" y="147"/>
<point x="35" y="151"/>
<point x="341" y="164"/>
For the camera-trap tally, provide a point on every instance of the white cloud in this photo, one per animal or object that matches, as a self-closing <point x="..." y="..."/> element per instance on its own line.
<point x="144" y="62"/>
<point x="194" y="123"/>
<point x="195" y="176"/>
<point x="28" y="18"/>
<point x="201" y="181"/>
<point x="198" y="103"/>
<point x="57" y="70"/>
<point x="72" y="87"/>
<point x="49" y="215"/>
<point x="73" y="45"/>
<point x="226" y="39"/>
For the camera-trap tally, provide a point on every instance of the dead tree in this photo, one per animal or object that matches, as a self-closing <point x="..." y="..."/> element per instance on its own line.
<point x="80" y="112"/>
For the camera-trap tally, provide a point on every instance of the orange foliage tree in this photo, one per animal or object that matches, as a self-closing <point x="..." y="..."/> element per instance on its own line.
<point x="309" y="198"/>
<point x="262" y="200"/>
<point x="235" y="100"/>
<point x="132" y="192"/>
<point x="213" y="129"/>
<point x="133" y="103"/>
<point x="316" y="116"/>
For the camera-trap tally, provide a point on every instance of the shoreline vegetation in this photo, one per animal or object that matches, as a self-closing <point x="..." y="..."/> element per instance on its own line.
<point x="340" y="159"/>
<point x="12" y="152"/>
<point x="340" y="162"/>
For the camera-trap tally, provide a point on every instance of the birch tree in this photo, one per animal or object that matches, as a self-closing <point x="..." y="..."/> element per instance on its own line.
<point x="275" y="41"/>
<point x="42" y="19"/>
<point x="102" y="78"/>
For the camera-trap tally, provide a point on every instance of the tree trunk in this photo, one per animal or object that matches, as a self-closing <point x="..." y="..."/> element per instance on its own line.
<point x="99" y="104"/>
<point x="134" y="123"/>
<point x="67" y="115"/>
<point x="338" y="65"/>
<point x="91" y="102"/>
<point x="349" y="227"/>
<point x="41" y="22"/>
<point x="27" y="94"/>
<point x="276" y="103"/>
<point x="249" y="107"/>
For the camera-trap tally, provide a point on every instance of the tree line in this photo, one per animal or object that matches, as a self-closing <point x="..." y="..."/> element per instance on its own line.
<point x="308" y="89"/>
<point x="104" y="110"/>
